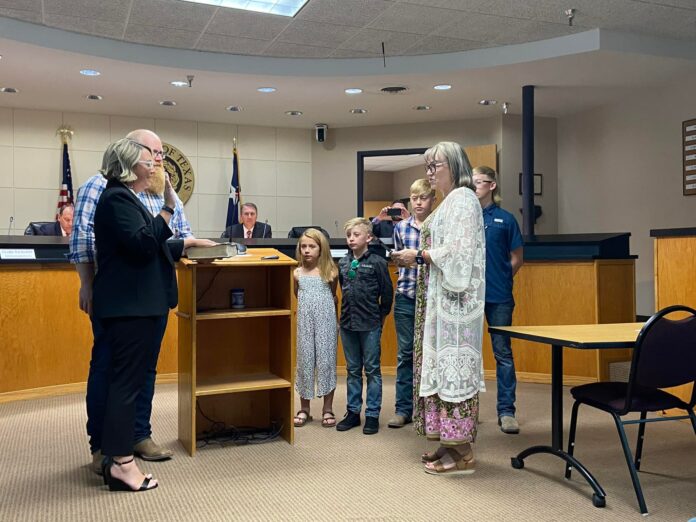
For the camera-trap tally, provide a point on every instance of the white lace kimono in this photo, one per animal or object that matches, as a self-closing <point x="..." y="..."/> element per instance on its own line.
<point x="453" y="331"/>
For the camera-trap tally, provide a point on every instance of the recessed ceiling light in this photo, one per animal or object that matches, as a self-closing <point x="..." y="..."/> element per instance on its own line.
<point x="234" y="108"/>
<point x="179" y="83"/>
<point x="168" y="103"/>
<point x="293" y="113"/>
<point x="277" y="7"/>
<point x="9" y="90"/>
<point x="89" y="72"/>
<point x="94" y="97"/>
<point x="358" y="111"/>
<point x="442" y="87"/>
<point x="488" y="102"/>
<point x="421" y="108"/>
<point x="266" y="89"/>
<point x="353" y="90"/>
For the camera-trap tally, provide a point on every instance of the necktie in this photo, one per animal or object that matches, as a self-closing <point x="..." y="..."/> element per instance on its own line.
<point x="248" y="233"/>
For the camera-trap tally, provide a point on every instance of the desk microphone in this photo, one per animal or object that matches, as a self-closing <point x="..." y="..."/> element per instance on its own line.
<point x="9" y="228"/>
<point x="265" y="226"/>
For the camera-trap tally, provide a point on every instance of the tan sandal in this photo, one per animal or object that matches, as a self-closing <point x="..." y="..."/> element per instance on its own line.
<point x="328" y="419"/>
<point x="300" y="419"/>
<point x="462" y="465"/>
<point x="432" y="456"/>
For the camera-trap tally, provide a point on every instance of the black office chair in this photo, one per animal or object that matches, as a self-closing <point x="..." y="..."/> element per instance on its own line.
<point x="296" y="232"/>
<point x="33" y="227"/>
<point x="664" y="356"/>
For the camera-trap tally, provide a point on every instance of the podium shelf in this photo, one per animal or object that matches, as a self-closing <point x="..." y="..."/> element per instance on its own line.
<point x="244" y="313"/>
<point x="240" y="384"/>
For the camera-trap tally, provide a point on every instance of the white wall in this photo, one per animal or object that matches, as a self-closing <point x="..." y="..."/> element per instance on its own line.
<point x="545" y="163"/>
<point x="275" y="165"/>
<point x="620" y="170"/>
<point x="334" y="162"/>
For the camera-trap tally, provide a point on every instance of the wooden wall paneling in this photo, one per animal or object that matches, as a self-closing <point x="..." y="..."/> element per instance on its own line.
<point x="616" y="303"/>
<point x="675" y="283"/>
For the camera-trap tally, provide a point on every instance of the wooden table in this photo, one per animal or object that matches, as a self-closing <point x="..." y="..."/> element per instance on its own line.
<point x="584" y="337"/>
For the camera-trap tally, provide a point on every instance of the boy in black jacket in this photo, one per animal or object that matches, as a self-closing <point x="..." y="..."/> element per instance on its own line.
<point x="367" y="298"/>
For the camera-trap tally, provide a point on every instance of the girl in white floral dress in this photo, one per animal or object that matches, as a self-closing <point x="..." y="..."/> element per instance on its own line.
<point x="315" y="287"/>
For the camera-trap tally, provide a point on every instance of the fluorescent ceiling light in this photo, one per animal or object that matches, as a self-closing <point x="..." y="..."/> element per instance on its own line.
<point x="89" y="72"/>
<point x="266" y="89"/>
<point x="353" y="90"/>
<point x="276" y="7"/>
<point x="442" y="87"/>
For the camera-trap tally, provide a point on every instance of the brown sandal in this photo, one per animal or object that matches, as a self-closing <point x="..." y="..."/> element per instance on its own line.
<point x="300" y="420"/>
<point x="328" y="419"/>
<point x="462" y="465"/>
<point x="432" y="456"/>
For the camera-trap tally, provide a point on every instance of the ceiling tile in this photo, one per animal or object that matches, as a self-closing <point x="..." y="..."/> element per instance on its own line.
<point x="370" y="40"/>
<point x="21" y="14"/>
<point x="165" y="37"/>
<point x="107" y="29"/>
<point x="114" y="10"/>
<point x="350" y="53"/>
<point x="22" y="5"/>
<point x="316" y="34"/>
<point x="532" y="30"/>
<point x="668" y="22"/>
<point x="234" y="22"/>
<point x="409" y="18"/>
<point x="229" y="44"/>
<point x="290" y="50"/>
<point x="441" y="44"/>
<point x="174" y="14"/>
<point x="357" y="13"/>
<point x="685" y="4"/>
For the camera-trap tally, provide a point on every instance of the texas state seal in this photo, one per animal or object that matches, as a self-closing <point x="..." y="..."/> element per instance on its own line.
<point x="180" y="171"/>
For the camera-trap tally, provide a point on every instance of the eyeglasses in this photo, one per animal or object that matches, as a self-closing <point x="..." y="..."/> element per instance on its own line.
<point x="147" y="163"/>
<point x="432" y="167"/>
<point x="159" y="153"/>
<point x="353" y="268"/>
<point x="480" y="182"/>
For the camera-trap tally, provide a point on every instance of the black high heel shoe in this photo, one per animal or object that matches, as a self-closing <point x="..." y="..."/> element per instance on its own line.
<point x="117" y="484"/>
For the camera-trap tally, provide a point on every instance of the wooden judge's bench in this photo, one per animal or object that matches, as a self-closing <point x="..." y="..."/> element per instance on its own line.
<point x="566" y="279"/>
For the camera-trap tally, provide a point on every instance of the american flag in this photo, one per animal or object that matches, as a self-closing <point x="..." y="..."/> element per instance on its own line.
<point x="66" y="189"/>
<point x="235" y="193"/>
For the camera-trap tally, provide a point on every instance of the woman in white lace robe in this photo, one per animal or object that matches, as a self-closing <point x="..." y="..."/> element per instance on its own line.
<point x="450" y="298"/>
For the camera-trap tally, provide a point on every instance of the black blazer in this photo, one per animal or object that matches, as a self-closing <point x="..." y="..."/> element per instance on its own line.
<point x="135" y="262"/>
<point x="237" y="231"/>
<point x="49" y="229"/>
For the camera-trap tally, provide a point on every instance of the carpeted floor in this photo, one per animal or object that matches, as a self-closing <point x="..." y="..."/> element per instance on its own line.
<point x="329" y="475"/>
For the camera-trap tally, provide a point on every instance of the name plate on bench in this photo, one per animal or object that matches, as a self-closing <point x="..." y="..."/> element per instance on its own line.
<point x="17" y="253"/>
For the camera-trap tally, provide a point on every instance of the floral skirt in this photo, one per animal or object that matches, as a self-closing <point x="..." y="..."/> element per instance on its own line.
<point x="449" y="422"/>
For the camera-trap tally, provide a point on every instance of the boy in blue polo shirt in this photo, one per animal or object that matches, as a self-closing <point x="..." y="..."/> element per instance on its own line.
<point x="504" y="258"/>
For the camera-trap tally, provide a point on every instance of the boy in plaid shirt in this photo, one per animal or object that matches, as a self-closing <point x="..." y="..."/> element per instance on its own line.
<point x="407" y="235"/>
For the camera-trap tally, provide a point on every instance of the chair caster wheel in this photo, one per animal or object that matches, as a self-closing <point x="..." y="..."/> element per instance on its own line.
<point x="517" y="463"/>
<point x="598" y="501"/>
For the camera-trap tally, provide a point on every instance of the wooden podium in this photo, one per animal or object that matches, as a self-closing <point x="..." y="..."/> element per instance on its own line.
<point x="236" y="365"/>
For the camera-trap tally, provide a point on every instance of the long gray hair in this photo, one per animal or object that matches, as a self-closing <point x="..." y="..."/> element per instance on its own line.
<point x="120" y="158"/>
<point x="456" y="158"/>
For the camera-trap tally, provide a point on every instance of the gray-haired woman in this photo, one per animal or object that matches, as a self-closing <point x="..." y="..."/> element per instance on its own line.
<point x="135" y="285"/>
<point x="450" y="292"/>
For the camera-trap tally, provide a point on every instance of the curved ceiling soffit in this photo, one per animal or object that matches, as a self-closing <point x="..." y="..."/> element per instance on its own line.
<point x="62" y="40"/>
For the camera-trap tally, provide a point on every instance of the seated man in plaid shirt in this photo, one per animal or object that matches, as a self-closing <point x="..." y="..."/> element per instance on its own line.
<point x="407" y="235"/>
<point x="82" y="254"/>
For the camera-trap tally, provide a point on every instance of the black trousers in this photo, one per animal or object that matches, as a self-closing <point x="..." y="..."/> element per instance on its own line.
<point x="132" y="341"/>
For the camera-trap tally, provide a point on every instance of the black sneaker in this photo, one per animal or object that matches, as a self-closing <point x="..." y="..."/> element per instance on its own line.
<point x="351" y="420"/>
<point x="371" y="425"/>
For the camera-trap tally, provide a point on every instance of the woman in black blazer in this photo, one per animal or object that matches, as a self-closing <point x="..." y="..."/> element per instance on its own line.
<point x="135" y="285"/>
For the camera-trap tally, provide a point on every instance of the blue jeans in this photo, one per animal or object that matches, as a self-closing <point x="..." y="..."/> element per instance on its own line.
<point x="500" y="314"/>
<point x="404" y="317"/>
<point x="98" y="384"/>
<point x="363" y="349"/>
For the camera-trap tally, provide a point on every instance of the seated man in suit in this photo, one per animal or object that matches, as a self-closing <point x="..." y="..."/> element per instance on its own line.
<point x="383" y="225"/>
<point x="62" y="226"/>
<point x="248" y="228"/>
